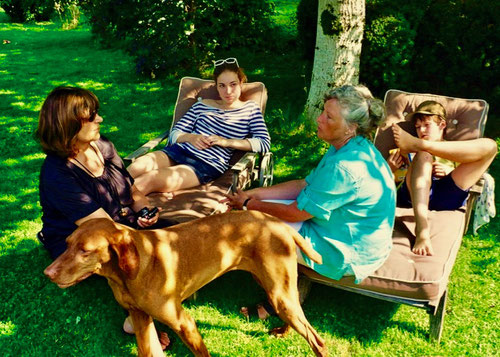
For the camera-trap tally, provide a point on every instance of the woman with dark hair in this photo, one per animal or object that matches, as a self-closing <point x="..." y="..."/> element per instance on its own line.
<point x="203" y="140"/>
<point x="82" y="176"/>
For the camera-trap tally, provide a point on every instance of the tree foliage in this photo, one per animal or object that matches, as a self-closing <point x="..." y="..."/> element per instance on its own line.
<point x="28" y="10"/>
<point x="166" y="36"/>
<point x="447" y="47"/>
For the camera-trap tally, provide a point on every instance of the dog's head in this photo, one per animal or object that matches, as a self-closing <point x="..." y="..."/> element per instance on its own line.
<point x="90" y="248"/>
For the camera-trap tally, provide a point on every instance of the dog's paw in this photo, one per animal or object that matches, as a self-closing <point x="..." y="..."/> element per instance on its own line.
<point x="280" y="331"/>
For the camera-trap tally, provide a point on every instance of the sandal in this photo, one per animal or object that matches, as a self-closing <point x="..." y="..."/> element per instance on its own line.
<point x="264" y="308"/>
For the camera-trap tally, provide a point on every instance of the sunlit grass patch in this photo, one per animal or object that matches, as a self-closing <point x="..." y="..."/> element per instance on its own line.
<point x="7" y="328"/>
<point x="39" y="319"/>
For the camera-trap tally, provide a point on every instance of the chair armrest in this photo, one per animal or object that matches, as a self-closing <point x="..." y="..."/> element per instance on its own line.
<point x="151" y="144"/>
<point x="477" y="188"/>
<point x="243" y="171"/>
<point x="474" y="193"/>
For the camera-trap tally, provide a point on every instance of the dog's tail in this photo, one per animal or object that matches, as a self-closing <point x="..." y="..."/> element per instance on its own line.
<point x="306" y="247"/>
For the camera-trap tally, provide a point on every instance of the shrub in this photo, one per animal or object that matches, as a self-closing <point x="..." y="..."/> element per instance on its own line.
<point x="447" y="47"/>
<point x="389" y="43"/>
<point x="386" y="52"/>
<point x="457" y="49"/>
<point x="28" y="10"/>
<point x="166" y="36"/>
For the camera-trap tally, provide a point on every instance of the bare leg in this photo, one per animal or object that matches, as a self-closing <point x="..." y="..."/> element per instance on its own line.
<point x="474" y="156"/>
<point x="156" y="172"/>
<point x="419" y="179"/>
<point x="152" y="161"/>
<point x="167" y="180"/>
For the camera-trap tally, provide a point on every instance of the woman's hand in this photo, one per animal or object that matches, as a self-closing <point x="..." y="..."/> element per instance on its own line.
<point x="440" y="170"/>
<point x="218" y="141"/>
<point x="395" y="160"/>
<point x="235" y="201"/>
<point x="201" y="142"/>
<point x="147" y="222"/>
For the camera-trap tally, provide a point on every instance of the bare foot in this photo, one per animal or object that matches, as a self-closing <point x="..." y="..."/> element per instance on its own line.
<point x="164" y="340"/>
<point x="423" y="247"/>
<point x="127" y="326"/>
<point x="162" y="336"/>
<point x="405" y="141"/>
<point x="261" y="311"/>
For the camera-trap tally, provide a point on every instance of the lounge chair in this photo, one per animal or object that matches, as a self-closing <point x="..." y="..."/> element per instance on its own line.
<point x="407" y="278"/>
<point x="245" y="168"/>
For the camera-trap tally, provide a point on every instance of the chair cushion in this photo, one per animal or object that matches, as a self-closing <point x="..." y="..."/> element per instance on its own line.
<point x="465" y="117"/>
<point x="405" y="274"/>
<point x="196" y="202"/>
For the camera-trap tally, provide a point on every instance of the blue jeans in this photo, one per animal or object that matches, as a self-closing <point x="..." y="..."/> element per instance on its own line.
<point x="205" y="172"/>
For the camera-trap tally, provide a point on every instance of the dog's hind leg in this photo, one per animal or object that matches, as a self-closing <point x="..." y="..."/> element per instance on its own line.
<point x="281" y="287"/>
<point x="290" y="311"/>
<point x="185" y="327"/>
<point x="145" y="333"/>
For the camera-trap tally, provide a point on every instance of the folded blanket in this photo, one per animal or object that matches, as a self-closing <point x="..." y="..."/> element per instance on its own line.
<point x="485" y="204"/>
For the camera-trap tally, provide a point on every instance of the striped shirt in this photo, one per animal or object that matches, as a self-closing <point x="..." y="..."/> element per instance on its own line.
<point x="245" y="122"/>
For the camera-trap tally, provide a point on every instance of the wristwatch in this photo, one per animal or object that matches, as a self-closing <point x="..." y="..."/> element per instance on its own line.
<point x="244" y="207"/>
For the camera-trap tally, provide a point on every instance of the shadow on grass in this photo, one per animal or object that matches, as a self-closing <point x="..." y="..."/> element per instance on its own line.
<point x="348" y="315"/>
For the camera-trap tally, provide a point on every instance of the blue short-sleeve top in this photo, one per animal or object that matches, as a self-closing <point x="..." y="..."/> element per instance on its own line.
<point x="351" y="196"/>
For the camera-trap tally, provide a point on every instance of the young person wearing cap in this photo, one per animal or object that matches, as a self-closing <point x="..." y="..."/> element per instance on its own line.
<point x="441" y="172"/>
<point x="203" y="140"/>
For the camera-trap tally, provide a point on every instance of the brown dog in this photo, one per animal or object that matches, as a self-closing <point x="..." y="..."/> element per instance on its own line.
<point x="152" y="271"/>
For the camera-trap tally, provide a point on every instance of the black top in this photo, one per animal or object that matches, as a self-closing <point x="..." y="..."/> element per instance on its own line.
<point x="68" y="193"/>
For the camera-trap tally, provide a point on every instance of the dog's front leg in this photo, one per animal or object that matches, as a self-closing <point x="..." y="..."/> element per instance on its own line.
<point x="145" y="333"/>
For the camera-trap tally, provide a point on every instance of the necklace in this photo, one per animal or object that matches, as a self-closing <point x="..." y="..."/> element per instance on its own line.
<point x="112" y="189"/>
<point x="86" y="168"/>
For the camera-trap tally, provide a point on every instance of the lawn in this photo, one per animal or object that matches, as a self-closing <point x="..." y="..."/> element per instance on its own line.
<point x="39" y="319"/>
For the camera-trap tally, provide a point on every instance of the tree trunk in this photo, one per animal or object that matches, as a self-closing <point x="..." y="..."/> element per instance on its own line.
<point x="338" y="48"/>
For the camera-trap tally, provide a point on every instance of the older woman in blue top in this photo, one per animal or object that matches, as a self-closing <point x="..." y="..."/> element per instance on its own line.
<point x="346" y="206"/>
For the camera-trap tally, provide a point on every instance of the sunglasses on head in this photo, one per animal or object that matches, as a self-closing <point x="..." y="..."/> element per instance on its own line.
<point x="230" y="60"/>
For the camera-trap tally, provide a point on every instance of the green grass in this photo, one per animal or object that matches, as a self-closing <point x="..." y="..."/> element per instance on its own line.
<point x="39" y="319"/>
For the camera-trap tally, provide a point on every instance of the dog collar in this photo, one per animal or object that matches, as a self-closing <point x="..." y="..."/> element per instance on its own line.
<point x="244" y="207"/>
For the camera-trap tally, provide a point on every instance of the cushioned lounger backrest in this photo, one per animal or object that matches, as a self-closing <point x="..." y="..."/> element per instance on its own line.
<point x="466" y="118"/>
<point x="191" y="88"/>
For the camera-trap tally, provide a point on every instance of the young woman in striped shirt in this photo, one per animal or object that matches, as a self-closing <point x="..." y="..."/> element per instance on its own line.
<point x="203" y="140"/>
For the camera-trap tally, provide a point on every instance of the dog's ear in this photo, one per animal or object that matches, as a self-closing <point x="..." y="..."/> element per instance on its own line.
<point x="125" y="249"/>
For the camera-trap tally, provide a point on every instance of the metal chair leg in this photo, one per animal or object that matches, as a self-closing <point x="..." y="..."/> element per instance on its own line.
<point x="436" y="320"/>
